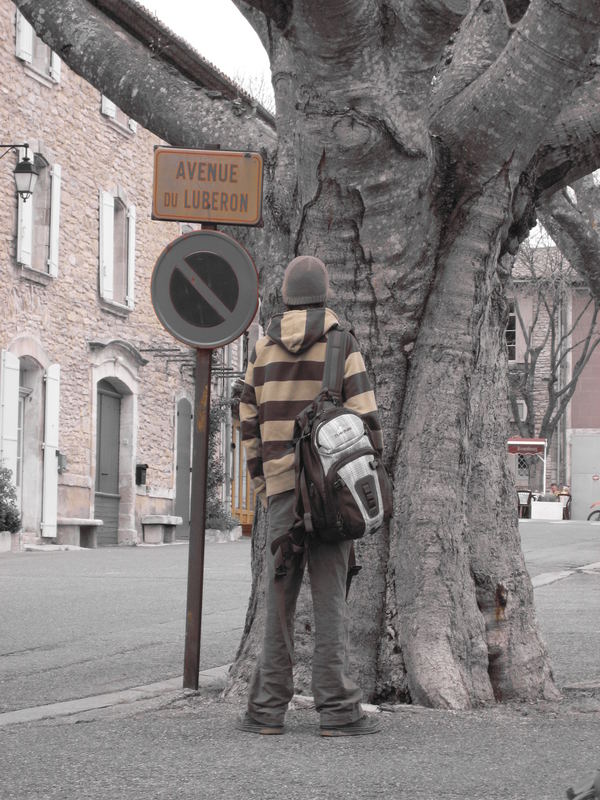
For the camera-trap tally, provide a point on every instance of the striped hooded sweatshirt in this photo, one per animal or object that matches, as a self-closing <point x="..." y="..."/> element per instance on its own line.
<point x="284" y="375"/>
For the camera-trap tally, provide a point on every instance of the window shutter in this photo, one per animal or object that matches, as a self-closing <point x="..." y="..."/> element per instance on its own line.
<point x="106" y="244"/>
<point x="54" y="220"/>
<point x="50" y="447"/>
<point x="24" y="226"/>
<point x="9" y="410"/>
<point x="108" y="108"/>
<point x="24" y="39"/>
<point x="130" y="256"/>
<point x="55" y="67"/>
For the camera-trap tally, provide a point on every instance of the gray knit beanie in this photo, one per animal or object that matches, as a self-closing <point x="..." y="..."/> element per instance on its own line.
<point x="305" y="281"/>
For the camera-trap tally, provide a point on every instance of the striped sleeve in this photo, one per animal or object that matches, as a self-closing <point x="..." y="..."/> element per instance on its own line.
<point x="251" y="429"/>
<point x="358" y="394"/>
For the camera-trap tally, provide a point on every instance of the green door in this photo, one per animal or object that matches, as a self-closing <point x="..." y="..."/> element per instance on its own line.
<point x="107" y="464"/>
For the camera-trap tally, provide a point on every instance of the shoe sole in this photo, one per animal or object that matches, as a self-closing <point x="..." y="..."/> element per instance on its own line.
<point x="336" y="732"/>
<point x="262" y="730"/>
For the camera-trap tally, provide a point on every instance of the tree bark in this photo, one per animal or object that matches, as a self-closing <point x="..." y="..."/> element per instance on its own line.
<point x="406" y="164"/>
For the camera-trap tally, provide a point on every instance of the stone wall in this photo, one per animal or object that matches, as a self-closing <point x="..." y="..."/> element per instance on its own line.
<point x="62" y="320"/>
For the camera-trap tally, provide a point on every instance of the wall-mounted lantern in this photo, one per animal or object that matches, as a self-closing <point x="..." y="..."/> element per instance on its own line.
<point x="61" y="462"/>
<point x="25" y="172"/>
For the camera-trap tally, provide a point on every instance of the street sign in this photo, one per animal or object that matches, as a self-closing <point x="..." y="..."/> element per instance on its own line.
<point x="216" y="186"/>
<point x="205" y="292"/>
<point x="205" y="289"/>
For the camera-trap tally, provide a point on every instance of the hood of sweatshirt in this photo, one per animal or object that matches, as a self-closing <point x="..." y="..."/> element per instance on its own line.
<point x="298" y="329"/>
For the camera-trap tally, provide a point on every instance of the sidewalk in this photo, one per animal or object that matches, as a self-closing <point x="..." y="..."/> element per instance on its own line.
<point x="160" y="742"/>
<point x="187" y="747"/>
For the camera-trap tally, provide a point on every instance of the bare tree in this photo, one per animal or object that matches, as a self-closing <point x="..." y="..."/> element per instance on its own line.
<point x="414" y="138"/>
<point x="564" y="345"/>
<point x="258" y="88"/>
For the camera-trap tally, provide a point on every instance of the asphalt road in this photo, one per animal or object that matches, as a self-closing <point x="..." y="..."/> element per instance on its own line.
<point x="563" y="559"/>
<point x="82" y="623"/>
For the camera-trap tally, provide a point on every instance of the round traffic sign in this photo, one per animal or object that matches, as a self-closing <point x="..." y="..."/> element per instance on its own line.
<point x="205" y="289"/>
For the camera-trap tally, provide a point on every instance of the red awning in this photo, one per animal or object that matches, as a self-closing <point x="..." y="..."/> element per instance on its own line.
<point x="526" y="446"/>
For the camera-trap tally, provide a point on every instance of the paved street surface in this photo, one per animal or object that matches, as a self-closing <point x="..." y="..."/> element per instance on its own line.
<point x="126" y="628"/>
<point x="86" y="622"/>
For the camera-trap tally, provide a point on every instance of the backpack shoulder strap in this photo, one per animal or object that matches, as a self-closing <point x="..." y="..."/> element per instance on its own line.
<point x="335" y="360"/>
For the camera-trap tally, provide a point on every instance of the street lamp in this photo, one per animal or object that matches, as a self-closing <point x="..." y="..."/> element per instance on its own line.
<point x="25" y="172"/>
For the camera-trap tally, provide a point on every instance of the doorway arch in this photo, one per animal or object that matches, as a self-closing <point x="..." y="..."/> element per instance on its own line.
<point x="115" y="368"/>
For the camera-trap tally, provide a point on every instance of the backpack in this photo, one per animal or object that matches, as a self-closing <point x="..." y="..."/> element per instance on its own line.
<point x="343" y="490"/>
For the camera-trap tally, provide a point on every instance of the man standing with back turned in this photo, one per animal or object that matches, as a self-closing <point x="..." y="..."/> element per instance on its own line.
<point x="284" y="375"/>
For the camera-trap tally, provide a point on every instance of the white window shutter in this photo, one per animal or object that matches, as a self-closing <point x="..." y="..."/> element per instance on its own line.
<point x="9" y="411"/>
<point x="24" y="48"/>
<point x="24" y="231"/>
<point x="54" y="219"/>
<point x="55" y="67"/>
<point x="106" y="244"/>
<point x="130" y="255"/>
<point x="108" y="108"/>
<point x="50" y="479"/>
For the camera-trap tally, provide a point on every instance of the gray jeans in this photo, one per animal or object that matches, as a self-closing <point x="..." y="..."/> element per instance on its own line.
<point x="337" y="697"/>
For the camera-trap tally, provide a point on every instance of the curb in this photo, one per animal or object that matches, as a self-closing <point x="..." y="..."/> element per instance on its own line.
<point x="214" y="677"/>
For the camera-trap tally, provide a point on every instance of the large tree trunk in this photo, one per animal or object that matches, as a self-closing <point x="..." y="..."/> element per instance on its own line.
<point x="453" y="622"/>
<point x="408" y="162"/>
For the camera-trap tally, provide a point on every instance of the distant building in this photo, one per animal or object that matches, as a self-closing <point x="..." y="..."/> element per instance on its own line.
<point x="555" y="310"/>
<point x="96" y="397"/>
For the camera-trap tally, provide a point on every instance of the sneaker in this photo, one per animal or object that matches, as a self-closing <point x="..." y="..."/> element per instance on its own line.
<point x="251" y="725"/>
<point x="357" y="728"/>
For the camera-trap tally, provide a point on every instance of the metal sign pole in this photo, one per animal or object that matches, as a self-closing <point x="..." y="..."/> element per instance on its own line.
<point x="205" y="292"/>
<point x="193" y="619"/>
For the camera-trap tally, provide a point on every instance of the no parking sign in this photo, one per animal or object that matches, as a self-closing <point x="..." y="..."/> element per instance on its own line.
<point x="205" y="289"/>
<point x="205" y="292"/>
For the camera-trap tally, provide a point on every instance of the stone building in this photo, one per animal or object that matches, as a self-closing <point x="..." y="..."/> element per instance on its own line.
<point x="554" y="356"/>
<point x="96" y="396"/>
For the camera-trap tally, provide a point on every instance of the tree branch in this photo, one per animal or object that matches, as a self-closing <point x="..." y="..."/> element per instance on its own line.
<point x="481" y="38"/>
<point x="575" y="237"/>
<point x="278" y="11"/>
<point x="428" y="24"/>
<point x="572" y="148"/>
<point x="522" y="90"/>
<point x="142" y="79"/>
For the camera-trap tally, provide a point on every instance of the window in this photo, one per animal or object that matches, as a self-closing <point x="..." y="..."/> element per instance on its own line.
<point x="41" y="60"/>
<point x="522" y="466"/>
<point x="39" y="220"/>
<point x="117" y="249"/>
<point x="511" y="333"/>
<point x="120" y="119"/>
<point x="522" y="410"/>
